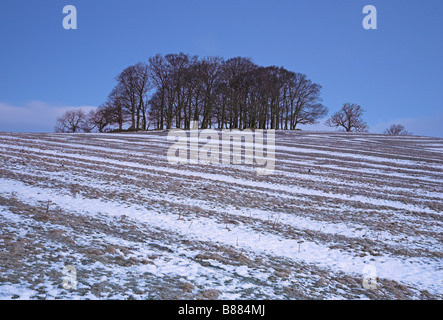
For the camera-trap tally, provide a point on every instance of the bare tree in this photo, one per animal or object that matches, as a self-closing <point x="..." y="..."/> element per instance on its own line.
<point x="71" y="121"/>
<point x="127" y="91"/>
<point x="115" y="106"/>
<point x="238" y="76"/>
<point x="178" y="66"/>
<point x="160" y="78"/>
<point x="101" y="118"/>
<point x="305" y="105"/>
<point x="348" y="118"/>
<point x="397" y="130"/>
<point x="210" y="71"/>
<point x="142" y="86"/>
<point x="89" y="124"/>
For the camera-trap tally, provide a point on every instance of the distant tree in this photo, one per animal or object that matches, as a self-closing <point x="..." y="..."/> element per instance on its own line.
<point x="397" y="130"/>
<point x="71" y="121"/>
<point x="348" y="118"/>
<point x="105" y="115"/>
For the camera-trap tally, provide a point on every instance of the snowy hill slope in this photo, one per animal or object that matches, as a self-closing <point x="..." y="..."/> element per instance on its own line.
<point x="135" y="226"/>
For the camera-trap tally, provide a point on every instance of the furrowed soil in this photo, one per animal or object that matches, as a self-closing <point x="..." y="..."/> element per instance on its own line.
<point x="106" y="216"/>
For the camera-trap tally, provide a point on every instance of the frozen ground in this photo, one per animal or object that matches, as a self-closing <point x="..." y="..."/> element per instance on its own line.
<point x="136" y="227"/>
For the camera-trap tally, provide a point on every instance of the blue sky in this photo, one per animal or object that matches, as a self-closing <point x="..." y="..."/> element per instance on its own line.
<point x="394" y="72"/>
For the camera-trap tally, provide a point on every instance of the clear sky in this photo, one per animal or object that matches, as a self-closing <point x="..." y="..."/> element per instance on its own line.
<point x="394" y="72"/>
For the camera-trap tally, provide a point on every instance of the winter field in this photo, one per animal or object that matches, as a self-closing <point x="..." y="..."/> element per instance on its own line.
<point x="339" y="209"/>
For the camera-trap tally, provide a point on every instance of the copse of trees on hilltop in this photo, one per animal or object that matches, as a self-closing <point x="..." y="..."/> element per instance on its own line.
<point x="170" y="91"/>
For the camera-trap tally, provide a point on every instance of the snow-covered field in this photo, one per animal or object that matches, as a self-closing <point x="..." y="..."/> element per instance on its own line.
<point x="136" y="227"/>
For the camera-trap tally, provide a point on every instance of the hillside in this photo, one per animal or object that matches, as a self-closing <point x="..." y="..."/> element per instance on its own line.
<point x="339" y="207"/>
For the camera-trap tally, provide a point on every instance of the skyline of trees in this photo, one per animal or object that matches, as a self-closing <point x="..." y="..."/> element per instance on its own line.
<point x="170" y="91"/>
